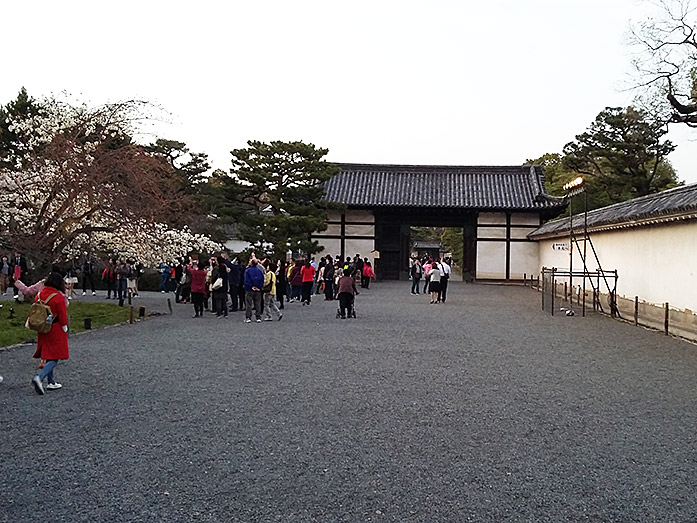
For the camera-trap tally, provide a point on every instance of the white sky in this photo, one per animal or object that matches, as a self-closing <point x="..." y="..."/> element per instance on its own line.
<point x="466" y="82"/>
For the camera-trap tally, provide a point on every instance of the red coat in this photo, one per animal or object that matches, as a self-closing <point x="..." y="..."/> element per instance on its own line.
<point x="54" y="344"/>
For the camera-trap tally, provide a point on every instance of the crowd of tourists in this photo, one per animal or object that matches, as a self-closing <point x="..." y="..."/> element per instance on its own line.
<point x="435" y="275"/>
<point x="263" y="286"/>
<point x="219" y="285"/>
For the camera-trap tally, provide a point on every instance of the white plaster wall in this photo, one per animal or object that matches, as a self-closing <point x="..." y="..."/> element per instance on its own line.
<point x="524" y="259"/>
<point x="362" y="247"/>
<point x="656" y="263"/>
<point x="521" y="232"/>
<point x="360" y="230"/>
<point x="525" y="218"/>
<point x="331" y="246"/>
<point x="333" y="229"/>
<point x="359" y="216"/>
<point x="333" y="216"/>
<point x="491" y="260"/>
<point x="491" y="232"/>
<point x="491" y="218"/>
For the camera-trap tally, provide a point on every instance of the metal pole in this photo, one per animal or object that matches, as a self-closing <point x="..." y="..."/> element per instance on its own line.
<point x="666" y="319"/>
<point x="554" y="287"/>
<point x="585" y="238"/>
<point x="571" y="253"/>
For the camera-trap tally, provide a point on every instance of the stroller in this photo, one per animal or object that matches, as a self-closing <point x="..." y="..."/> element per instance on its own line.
<point x="350" y="308"/>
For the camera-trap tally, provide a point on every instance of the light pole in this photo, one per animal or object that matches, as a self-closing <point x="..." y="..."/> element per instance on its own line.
<point x="574" y="188"/>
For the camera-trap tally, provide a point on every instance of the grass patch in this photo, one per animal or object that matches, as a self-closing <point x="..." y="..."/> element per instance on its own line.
<point x="13" y="331"/>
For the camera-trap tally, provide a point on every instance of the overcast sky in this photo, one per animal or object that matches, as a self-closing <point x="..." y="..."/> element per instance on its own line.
<point x="431" y="82"/>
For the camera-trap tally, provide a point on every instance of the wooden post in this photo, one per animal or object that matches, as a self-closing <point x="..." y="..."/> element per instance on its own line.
<point x="636" y="310"/>
<point x="665" y="322"/>
<point x="169" y="305"/>
<point x="131" y="315"/>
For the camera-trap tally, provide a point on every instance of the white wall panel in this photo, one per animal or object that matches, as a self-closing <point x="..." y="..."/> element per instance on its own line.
<point x="491" y="260"/>
<point x="492" y="218"/>
<point x="525" y="260"/>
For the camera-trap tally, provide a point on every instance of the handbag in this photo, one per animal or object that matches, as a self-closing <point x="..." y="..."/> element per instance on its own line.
<point x="217" y="284"/>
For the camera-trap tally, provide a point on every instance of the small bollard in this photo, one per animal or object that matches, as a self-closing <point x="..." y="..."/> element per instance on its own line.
<point x="88" y="324"/>
<point x="169" y="305"/>
<point x="131" y="315"/>
<point x="141" y="312"/>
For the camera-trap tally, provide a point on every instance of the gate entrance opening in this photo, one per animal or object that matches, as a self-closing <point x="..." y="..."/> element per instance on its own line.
<point x="395" y="243"/>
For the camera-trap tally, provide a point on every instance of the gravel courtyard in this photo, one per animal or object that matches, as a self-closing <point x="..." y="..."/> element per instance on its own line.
<point x="481" y="409"/>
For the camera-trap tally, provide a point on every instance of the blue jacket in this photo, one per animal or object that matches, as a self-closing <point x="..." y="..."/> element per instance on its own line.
<point x="253" y="277"/>
<point x="235" y="271"/>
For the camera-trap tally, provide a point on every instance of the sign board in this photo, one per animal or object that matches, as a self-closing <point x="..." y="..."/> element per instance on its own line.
<point x="375" y="254"/>
<point x="560" y="246"/>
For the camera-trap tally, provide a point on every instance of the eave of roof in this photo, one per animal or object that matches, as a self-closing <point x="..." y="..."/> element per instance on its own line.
<point x="672" y="205"/>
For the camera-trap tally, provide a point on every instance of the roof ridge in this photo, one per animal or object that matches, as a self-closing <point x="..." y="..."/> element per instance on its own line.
<point x="524" y="169"/>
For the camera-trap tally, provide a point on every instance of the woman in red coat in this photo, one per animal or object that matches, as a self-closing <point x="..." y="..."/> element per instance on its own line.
<point x="52" y="346"/>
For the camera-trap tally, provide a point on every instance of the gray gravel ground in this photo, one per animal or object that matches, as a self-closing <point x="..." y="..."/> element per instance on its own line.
<point x="482" y="409"/>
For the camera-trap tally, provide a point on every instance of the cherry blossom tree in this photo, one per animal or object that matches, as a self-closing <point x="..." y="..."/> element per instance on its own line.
<point x="72" y="179"/>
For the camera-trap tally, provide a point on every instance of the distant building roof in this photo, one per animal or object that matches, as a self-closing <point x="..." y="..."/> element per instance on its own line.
<point x="440" y="186"/>
<point x="427" y="245"/>
<point x="674" y="204"/>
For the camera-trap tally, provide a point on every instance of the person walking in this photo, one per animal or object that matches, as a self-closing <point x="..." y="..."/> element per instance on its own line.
<point x="281" y="283"/>
<point x="416" y="273"/>
<point x="434" y="282"/>
<point x="88" y="276"/>
<point x="445" y="271"/>
<point x="234" y="274"/>
<point x="18" y="270"/>
<point x="139" y="270"/>
<point x="307" y="273"/>
<point x="123" y="272"/>
<point x="427" y="274"/>
<point x="178" y="279"/>
<point x="329" y="279"/>
<point x="165" y="275"/>
<point x="368" y="274"/>
<point x="4" y="274"/>
<point x="269" y="293"/>
<point x="198" y="286"/>
<point x="219" y="276"/>
<point x="52" y="346"/>
<point x="253" y="283"/>
<point x="109" y="278"/>
<point x="346" y="292"/>
<point x="296" y="281"/>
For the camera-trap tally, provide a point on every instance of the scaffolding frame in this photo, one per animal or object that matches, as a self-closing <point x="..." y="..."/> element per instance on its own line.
<point x="577" y="188"/>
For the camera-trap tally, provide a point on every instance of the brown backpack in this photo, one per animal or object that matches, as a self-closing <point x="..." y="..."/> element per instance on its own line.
<point x="39" y="312"/>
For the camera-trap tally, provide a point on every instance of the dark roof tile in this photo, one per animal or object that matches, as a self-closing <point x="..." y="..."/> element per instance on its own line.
<point x="466" y="187"/>
<point x="672" y="202"/>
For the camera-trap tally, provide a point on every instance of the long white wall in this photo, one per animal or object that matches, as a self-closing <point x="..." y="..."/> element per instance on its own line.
<point x="656" y="263"/>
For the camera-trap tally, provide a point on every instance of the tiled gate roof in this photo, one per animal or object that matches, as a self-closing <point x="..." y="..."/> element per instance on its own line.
<point x="462" y="187"/>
